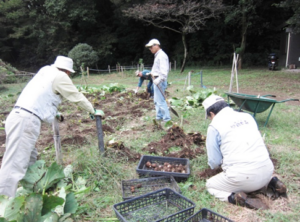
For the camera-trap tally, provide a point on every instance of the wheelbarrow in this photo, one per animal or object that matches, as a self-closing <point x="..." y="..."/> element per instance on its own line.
<point x="255" y="104"/>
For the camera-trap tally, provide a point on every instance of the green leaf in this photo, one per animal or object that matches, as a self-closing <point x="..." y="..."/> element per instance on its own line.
<point x="3" y="204"/>
<point x="54" y="174"/>
<point x="33" y="208"/>
<point x="49" y="217"/>
<point x="34" y="173"/>
<point x="4" y="220"/>
<point x="50" y="202"/>
<point x="60" y="209"/>
<point x="71" y="203"/>
<point x="13" y="208"/>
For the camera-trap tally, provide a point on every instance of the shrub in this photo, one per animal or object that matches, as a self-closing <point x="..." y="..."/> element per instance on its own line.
<point x="7" y="73"/>
<point x="83" y="54"/>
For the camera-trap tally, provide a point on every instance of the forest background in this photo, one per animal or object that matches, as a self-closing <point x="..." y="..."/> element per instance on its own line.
<point x="34" y="32"/>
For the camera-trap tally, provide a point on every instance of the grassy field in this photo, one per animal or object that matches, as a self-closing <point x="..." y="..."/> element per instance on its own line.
<point x="104" y="175"/>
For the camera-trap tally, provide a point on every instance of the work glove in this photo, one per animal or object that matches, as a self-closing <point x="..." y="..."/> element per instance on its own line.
<point x="99" y="112"/>
<point x="59" y="117"/>
<point x="157" y="81"/>
<point x="92" y="116"/>
<point x="135" y="91"/>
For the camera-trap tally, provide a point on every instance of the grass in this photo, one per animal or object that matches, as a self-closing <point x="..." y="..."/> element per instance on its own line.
<point x="104" y="175"/>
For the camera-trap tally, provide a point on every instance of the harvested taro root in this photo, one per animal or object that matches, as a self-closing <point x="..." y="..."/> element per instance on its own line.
<point x="166" y="167"/>
<point x="132" y="189"/>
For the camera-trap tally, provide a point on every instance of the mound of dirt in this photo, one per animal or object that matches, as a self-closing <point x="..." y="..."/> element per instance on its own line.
<point x="176" y="137"/>
<point x="118" y="150"/>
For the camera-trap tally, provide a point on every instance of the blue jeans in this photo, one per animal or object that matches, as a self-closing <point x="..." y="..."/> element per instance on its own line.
<point x="150" y="88"/>
<point x="162" y="110"/>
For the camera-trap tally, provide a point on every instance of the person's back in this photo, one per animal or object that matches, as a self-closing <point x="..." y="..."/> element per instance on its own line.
<point x="241" y="143"/>
<point x="38" y="96"/>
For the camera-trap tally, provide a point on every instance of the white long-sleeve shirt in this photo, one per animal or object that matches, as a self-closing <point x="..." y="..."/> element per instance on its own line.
<point x="160" y="66"/>
<point x="64" y="86"/>
<point x="234" y="140"/>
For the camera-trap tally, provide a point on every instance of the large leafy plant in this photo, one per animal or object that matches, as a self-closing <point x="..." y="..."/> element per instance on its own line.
<point x="194" y="100"/>
<point x="112" y="87"/>
<point x="46" y="195"/>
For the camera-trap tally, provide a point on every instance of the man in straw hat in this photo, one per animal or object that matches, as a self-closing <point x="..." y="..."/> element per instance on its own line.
<point x="38" y="102"/>
<point x="235" y="143"/>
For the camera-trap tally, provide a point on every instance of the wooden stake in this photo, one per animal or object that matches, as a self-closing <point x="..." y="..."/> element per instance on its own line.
<point x="189" y="78"/>
<point x="109" y="68"/>
<point x="232" y="72"/>
<point x="236" y="74"/>
<point x="57" y="143"/>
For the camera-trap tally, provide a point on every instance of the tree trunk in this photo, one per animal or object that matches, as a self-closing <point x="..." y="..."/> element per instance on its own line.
<point x="244" y="35"/>
<point x="185" y="53"/>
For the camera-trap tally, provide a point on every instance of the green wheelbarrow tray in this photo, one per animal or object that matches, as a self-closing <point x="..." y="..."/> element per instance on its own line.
<point x="255" y="104"/>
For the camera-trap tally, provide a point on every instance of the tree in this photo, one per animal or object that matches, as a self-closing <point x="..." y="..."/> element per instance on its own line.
<point x="294" y="20"/>
<point x="180" y="16"/>
<point x="242" y="14"/>
<point x="83" y="54"/>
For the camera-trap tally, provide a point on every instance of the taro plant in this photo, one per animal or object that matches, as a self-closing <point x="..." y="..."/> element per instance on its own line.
<point x="112" y="87"/>
<point x="194" y="100"/>
<point x="46" y="195"/>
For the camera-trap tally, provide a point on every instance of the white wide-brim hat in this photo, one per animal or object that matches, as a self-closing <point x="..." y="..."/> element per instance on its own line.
<point x="63" y="62"/>
<point x="152" y="42"/>
<point x="209" y="101"/>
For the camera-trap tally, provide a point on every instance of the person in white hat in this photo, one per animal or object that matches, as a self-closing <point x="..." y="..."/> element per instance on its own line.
<point x="234" y="143"/>
<point x="160" y="70"/>
<point x="38" y="102"/>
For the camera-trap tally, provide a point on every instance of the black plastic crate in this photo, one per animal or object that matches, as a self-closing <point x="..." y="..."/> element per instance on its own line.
<point x="206" y="215"/>
<point x="164" y="205"/>
<point x="144" y="171"/>
<point x="137" y="187"/>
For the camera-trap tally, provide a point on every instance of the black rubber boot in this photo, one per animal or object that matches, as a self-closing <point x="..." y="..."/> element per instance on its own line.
<point x="241" y="199"/>
<point x="238" y="198"/>
<point x="277" y="186"/>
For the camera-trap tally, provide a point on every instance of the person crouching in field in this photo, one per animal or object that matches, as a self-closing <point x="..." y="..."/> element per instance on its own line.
<point x="145" y="75"/>
<point x="235" y="143"/>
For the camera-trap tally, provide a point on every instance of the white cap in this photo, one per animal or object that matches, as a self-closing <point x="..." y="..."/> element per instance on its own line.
<point x="137" y="72"/>
<point x="209" y="101"/>
<point x="63" y="62"/>
<point x="152" y="42"/>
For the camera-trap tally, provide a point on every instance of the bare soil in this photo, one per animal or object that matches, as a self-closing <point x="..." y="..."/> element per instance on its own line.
<point x="119" y="108"/>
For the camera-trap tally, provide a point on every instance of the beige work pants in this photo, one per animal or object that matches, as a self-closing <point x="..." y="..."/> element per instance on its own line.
<point x="238" y="179"/>
<point x="22" y="131"/>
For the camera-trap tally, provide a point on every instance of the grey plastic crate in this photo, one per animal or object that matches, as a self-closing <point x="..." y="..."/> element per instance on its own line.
<point x="164" y="205"/>
<point x="147" y="185"/>
<point x="143" y="171"/>
<point x="206" y="215"/>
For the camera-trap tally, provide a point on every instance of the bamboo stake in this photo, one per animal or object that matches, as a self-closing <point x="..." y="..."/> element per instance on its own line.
<point x="57" y="143"/>
<point x="232" y="72"/>
<point x="88" y="72"/>
<point x="189" y="79"/>
<point x="109" y="68"/>
<point x="185" y="82"/>
<point x="236" y="74"/>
